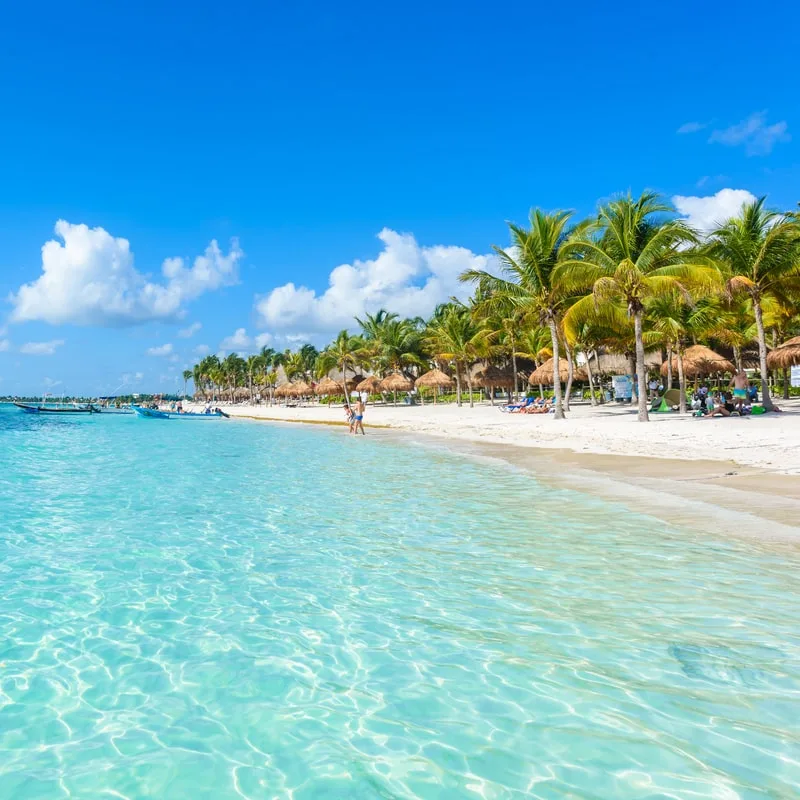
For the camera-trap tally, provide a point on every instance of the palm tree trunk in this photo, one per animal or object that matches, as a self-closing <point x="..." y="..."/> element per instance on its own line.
<point x="640" y="373"/>
<point x="514" y="366"/>
<point x="344" y="385"/>
<point x="762" y="356"/>
<point x="570" y="373"/>
<point x="458" y="385"/>
<point x="669" y="367"/>
<point x="591" y="381"/>
<point x="681" y="379"/>
<point x="599" y="378"/>
<point x="786" y="375"/>
<point x="737" y="357"/>
<point x="556" y="378"/>
<point x="469" y="386"/>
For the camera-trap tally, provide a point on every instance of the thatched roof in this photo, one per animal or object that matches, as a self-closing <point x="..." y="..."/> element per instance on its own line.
<point x="370" y="384"/>
<point x="700" y="361"/>
<point x="284" y="390"/>
<point x="494" y="377"/>
<point x="396" y="382"/>
<point x="329" y="386"/>
<point x="617" y="364"/>
<point x="434" y="379"/>
<point x="544" y="374"/>
<point x="301" y="389"/>
<point x="786" y="355"/>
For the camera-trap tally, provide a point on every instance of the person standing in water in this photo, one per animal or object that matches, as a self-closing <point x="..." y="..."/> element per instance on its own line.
<point x="739" y="384"/>
<point x="359" y="417"/>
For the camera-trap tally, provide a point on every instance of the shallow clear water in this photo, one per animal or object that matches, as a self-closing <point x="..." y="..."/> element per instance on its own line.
<point x="231" y="609"/>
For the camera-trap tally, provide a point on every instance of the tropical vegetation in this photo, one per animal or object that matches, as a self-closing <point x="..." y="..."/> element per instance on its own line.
<point x="632" y="279"/>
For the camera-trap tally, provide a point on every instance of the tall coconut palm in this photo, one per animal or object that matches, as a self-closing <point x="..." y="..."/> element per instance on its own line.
<point x="675" y="320"/>
<point x="343" y="353"/>
<point x="187" y="376"/>
<point x="633" y="251"/>
<point x="759" y="254"/>
<point x="455" y="337"/>
<point x="254" y="366"/>
<point x="526" y="280"/>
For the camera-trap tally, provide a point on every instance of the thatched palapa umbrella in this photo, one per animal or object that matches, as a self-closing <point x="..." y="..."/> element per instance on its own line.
<point x="370" y="384"/>
<point x="396" y="382"/>
<point x="284" y="390"/>
<point x="328" y="386"/>
<point x="492" y="377"/>
<point x="435" y="379"/>
<point x="544" y="375"/>
<point x="785" y="355"/>
<point x="700" y="361"/>
<point x="301" y="389"/>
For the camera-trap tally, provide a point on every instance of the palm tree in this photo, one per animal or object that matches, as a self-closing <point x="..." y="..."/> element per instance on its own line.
<point x="345" y="352"/>
<point x="255" y="365"/>
<point x="456" y="337"/>
<point x="633" y="252"/>
<point x="526" y="282"/>
<point x="187" y="376"/>
<point x="759" y="254"/>
<point x="677" y="319"/>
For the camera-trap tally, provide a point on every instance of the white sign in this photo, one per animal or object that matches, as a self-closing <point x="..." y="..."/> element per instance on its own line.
<point x="623" y="387"/>
<point x="796" y="375"/>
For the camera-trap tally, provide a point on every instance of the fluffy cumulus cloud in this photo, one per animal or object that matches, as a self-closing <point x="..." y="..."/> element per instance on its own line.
<point x="89" y="278"/>
<point x="160" y="350"/>
<point x="754" y="134"/>
<point x="202" y="350"/>
<point x="705" y="213"/>
<point x="238" y="341"/>
<point x="191" y="330"/>
<point x="5" y="345"/>
<point x="41" y="348"/>
<point x="405" y="278"/>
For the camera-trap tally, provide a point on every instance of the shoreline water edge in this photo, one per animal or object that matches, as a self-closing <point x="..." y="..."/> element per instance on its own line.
<point x="741" y="474"/>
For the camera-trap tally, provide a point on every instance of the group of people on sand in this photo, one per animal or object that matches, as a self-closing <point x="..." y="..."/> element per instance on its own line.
<point x="738" y="399"/>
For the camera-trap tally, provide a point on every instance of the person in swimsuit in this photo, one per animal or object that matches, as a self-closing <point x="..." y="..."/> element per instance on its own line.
<point x="358" y="419"/>
<point x="739" y="385"/>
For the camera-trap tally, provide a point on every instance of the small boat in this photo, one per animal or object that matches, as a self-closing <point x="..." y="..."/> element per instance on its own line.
<point x="153" y="413"/>
<point x="28" y="408"/>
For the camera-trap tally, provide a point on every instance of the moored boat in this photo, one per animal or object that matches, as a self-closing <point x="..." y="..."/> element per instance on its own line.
<point x="154" y="413"/>
<point x="29" y="408"/>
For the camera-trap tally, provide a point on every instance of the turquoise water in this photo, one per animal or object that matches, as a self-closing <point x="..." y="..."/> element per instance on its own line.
<point x="230" y="609"/>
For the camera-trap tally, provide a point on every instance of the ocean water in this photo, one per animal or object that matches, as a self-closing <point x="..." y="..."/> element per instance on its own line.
<point x="228" y="609"/>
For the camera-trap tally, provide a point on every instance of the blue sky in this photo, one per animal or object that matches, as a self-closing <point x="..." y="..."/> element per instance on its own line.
<point x="294" y="135"/>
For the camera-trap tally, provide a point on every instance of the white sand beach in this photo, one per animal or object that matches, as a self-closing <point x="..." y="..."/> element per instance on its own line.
<point x="770" y="442"/>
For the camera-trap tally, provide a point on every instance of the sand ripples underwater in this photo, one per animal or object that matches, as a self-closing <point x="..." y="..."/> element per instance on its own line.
<point x="230" y="609"/>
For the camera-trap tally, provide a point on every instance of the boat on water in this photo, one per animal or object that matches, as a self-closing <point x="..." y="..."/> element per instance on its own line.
<point x="43" y="408"/>
<point x="154" y="413"/>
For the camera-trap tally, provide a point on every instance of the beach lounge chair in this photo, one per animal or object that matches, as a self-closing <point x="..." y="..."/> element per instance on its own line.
<point x="517" y="406"/>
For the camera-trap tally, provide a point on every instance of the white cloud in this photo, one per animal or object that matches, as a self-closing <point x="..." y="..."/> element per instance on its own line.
<point x="161" y="350"/>
<point x="5" y="345"/>
<point x="262" y="340"/>
<point x="202" y="350"/>
<point x="757" y="137"/>
<point x="705" y="213"/>
<point x="90" y="279"/>
<point x="138" y="376"/>
<point x="187" y="333"/>
<point x="692" y="127"/>
<point x="41" y="348"/>
<point x="404" y="278"/>
<point x="237" y="342"/>
<point x="50" y="383"/>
